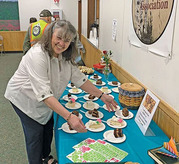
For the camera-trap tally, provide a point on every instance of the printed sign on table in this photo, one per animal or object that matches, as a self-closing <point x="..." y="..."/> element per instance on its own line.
<point x="146" y="111"/>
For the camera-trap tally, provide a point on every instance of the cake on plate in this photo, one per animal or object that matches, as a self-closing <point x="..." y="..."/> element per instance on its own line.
<point x="98" y="81"/>
<point x="95" y="76"/>
<point x="115" y="121"/>
<point x="114" y="82"/>
<point x="75" y="113"/>
<point x="90" y="104"/>
<point x="91" y="97"/>
<point x="69" y="95"/>
<point x="118" y="133"/>
<point x="95" y="124"/>
<point x="94" y="113"/>
<point x="71" y="103"/>
<point x="75" y="90"/>
<point x="72" y="85"/>
<point x="125" y="112"/>
<point x="104" y="89"/>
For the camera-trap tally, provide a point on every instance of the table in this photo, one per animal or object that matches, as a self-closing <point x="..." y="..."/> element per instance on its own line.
<point x="136" y="144"/>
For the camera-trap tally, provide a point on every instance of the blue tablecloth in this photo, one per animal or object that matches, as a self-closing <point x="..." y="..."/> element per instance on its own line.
<point x="136" y="144"/>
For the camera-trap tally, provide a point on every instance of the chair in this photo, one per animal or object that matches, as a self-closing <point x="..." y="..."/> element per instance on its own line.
<point x="1" y="45"/>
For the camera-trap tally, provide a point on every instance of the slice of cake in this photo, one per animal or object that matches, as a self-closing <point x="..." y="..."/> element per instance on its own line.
<point x="90" y="105"/>
<point x="95" y="76"/>
<point x="114" y="82"/>
<point x="116" y="121"/>
<point x="95" y="124"/>
<point x="75" y="113"/>
<point x="72" y="85"/>
<point x="125" y="112"/>
<point x="94" y="113"/>
<point x="75" y="90"/>
<point x="118" y="133"/>
<point x="91" y="97"/>
<point x="104" y="89"/>
<point x="71" y="103"/>
<point x="99" y="82"/>
<point x="69" y="96"/>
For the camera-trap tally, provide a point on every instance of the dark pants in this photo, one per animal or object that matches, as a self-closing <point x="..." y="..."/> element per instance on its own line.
<point x="38" y="137"/>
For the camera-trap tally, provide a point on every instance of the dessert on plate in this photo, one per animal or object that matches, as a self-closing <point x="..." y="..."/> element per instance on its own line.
<point x="69" y="96"/>
<point x="99" y="82"/>
<point x="94" y="113"/>
<point x="75" y="113"/>
<point x="115" y="121"/>
<point x="72" y="85"/>
<point x="118" y="133"/>
<point x="125" y="112"/>
<point x="75" y="90"/>
<point x="91" y="97"/>
<point x="95" y="76"/>
<point x="114" y="82"/>
<point x="95" y="124"/>
<point x="90" y="104"/>
<point x="104" y="89"/>
<point x="71" y="103"/>
<point x="86" y="70"/>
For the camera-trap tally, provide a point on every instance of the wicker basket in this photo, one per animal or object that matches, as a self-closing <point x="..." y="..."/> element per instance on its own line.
<point x="131" y="95"/>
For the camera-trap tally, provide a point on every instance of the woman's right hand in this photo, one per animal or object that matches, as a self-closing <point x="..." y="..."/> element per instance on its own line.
<point x="76" y="124"/>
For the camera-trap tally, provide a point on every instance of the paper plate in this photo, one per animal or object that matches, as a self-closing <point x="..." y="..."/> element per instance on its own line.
<point x="86" y="98"/>
<point x="67" y="99"/>
<point x="115" y="89"/>
<point x="118" y="113"/>
<point x="77" y="106"/>
<point x="110" y="83"/>
<point x="103" y="83"/>
<point x="80" y="116"/>
<point x="109" y="91"/>
<point x="109" y="136"/>
<point x="65" y="128"/>
<point x="71" y="91"/>
<point x="111" y="95"/>
<point x="69" y="86"/>
<point x="115" y="126"/>
<point x="95" y="130"/>
<point x="94" y="118"/>
<point x="92" y="77"/>
<point x="96" y="106"/>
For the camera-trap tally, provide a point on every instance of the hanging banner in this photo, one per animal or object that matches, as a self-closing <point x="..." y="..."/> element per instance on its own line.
<point x="152" y="25"/>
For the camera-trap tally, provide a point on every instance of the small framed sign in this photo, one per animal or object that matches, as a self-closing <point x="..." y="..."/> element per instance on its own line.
<point x="146" y="111"/>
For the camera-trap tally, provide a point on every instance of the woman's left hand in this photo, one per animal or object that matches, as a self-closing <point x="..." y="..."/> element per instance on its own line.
<point x="109" y="101"/>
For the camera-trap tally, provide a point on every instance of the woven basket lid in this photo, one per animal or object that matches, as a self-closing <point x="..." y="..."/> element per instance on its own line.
<point x="132" y="87"/>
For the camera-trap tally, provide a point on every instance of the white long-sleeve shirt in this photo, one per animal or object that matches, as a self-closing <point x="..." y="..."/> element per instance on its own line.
<point x="39" y="77"/>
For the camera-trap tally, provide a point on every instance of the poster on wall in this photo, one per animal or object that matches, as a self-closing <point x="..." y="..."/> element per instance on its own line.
<point x="152" y="25"/>
<point x="9" y="15"/>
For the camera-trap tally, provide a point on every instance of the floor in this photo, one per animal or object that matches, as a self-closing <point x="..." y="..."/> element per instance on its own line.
<point x="12" y="144"/>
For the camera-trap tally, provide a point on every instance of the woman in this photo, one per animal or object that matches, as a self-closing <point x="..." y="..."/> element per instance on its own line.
<point x="38" y="83"/>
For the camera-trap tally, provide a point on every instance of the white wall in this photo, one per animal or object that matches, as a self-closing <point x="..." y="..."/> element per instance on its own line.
<point x="32" y="8"/>
<point x="84" y="17"/>
<point x="70" y="11"/>
<point x="153" y="71"/>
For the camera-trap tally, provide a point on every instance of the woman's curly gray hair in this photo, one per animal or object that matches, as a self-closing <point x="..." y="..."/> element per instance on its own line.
<point x="67" y="31"/>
